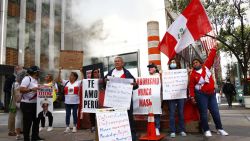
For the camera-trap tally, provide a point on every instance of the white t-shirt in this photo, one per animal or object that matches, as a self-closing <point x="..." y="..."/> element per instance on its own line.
<point x="29" y="82"/>
<point x="72" y="91"/>
<point x="117" y="73"/>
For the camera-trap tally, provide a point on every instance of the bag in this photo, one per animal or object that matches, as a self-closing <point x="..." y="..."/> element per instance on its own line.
<point x="60" y="91"/>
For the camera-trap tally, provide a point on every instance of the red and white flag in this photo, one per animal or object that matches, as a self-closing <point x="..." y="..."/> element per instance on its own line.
<point x="208" y="43"/>
<point x="187" y="28"/>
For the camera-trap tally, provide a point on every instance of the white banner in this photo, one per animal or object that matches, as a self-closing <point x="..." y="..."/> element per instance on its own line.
<point x="148" y="93"/>
<point x="113" y="125"/>
<point x="118" y="95"/>
<point x="174" y="83"/>
<point x="90" y="95"/>
<point x="44" y="100"/>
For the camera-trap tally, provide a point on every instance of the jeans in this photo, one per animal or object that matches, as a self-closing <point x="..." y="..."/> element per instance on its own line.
<point x="157" y="121"/>
<point x="29" y="119"/>
<point x="68" y="108"/>
<point x="41" y="118"/>
<point x="172" y="105"/>
<point x="205" y="102"/>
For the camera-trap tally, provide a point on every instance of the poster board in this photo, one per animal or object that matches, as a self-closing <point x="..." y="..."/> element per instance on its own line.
<point x="174" y="83"/>
<point x="71" y="59"/>
<point x="148" y="94"/>
<point x="118" y="93"/>
<point x="88" y="69"/>
<point x="113" y="125"/>
<point x="90" y="95"/>
<point x="44" y="96"/>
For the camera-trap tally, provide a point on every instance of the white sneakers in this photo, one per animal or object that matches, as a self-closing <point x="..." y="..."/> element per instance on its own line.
<point x="67" y="130"/>
<point x="50" y="129"/>
<point x="157" y="132"/>
<point x="208" y="134"/>
<point x="219" y="131"/>
<point x="183" y="134"/>
<point x="172" y="135"/>
<point x="19" y="137"/>
<point x="41" y="129"/>
<point x="74" y="130"/>
<point x="222" y="132"/>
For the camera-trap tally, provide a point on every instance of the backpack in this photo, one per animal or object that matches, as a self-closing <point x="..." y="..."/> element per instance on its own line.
<point x="60" y="91"/>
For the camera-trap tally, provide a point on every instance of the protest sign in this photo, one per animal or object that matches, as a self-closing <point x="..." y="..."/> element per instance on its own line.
<point x="44" y="99"/>
<point x="90" y="95"/>
<point x="118" y="95"/>
<point x="113" y="125"/>
<point x="148" y="94"/>
<point x="87" y="70"/>
<point x="71" y="59"/>
<point x="174" y="83"/>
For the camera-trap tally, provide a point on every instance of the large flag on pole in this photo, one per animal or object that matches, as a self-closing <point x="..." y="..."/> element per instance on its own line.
<point x="187" y="28"/>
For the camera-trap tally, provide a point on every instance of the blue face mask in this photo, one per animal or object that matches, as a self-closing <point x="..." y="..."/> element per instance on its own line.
<point x="197" y="67"/>
<point x="173" y="65"/>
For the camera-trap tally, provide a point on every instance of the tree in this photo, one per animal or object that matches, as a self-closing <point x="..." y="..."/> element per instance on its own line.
<point x="229" y="20"/>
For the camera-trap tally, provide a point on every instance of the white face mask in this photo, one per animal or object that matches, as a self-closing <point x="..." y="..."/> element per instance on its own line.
<point x="173" y="65"/>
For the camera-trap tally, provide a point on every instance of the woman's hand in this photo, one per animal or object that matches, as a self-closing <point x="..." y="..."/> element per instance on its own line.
<point x="193" y="100"/>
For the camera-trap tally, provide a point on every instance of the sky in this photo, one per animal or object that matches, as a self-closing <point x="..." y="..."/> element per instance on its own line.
<point x="123" y="26"/>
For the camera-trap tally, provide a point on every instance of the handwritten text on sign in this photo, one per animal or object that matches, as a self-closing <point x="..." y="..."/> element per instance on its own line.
<point x="175" y="84"/>
<point x="148" y="94"/>
<point x="90" y="95"/>
<point x="113" y="126"/>
<point x="118" y="95"/>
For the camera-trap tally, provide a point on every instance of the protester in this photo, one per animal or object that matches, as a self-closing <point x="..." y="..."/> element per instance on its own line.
<point x="179" y="103"/>
<point x="95" y="74"/>
<point x="9" y="90"/>
<point x="153" y="71"/>
<point x="121" y="72"/>
<point x="45" y="112"/>
<point x="71" y="91"/>
<point x="49" y="81"/>
<point x="202" y="91"/>
<point x="19" y="114"/>
<point x="229" y="91"/>
<point x="28" y="88"/>
<point x="10" y="79"/>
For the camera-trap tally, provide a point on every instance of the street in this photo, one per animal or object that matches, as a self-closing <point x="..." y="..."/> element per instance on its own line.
<point x="236" y="121"/>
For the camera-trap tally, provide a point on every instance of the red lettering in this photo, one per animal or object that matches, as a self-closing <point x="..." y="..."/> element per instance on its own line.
<point x="144" y="92"/>
<point x="148" y="81"/>
<point x="145" y="102"/>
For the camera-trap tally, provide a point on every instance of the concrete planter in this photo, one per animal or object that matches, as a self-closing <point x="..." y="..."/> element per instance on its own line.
<point x="247" y="101"/>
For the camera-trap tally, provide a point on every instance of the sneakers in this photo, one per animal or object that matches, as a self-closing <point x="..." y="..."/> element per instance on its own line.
<point x="67" y="130"/>
<point x="172" y="135"/>
<point x="183" y="134"/>
<point x="18" y="137"/>
<point x="92" y="129"/>
<point x="222" y="132"/>
<point x="157" y="132"/>
<point x="74" y="130"/>
<point x="41" y="129"/>
<point x="208" y="134"/>
<point x="50" y="129"/>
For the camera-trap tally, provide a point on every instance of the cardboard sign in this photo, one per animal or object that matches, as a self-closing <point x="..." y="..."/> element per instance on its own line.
<point x="90" y="95"/>
<point x="174" y="84"/>
<point x="118" y="94"/>
<point x="44" y="99"/>
<point x="147" y="95"/>
<point x="70" y="59"/>
<point x="113" y="125"/>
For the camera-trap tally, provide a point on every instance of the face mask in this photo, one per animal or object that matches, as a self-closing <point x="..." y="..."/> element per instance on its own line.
<point x="197" y="67"/>
<point x="173" y="65"/>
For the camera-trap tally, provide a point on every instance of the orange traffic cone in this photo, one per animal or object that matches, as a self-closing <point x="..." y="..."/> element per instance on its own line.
<point x="151" y="133"/>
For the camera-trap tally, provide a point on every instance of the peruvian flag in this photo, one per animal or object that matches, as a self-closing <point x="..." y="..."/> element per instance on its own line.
<point x="187" y="28"/>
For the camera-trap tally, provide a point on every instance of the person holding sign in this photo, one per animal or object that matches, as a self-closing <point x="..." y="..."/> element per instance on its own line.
<point x="121" y="72"/>
<point x="153" y="71"/>
<point x="172" y="106"/>
<point x="71" y="91"/>
<point x="49" y="82"/>
<point x="202" y="91"/>
<point x="28" y="88"/>
<point x="95" y="74"/>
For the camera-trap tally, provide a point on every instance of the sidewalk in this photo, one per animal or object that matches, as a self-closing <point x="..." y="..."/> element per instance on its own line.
<point x="236" y="121"/>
